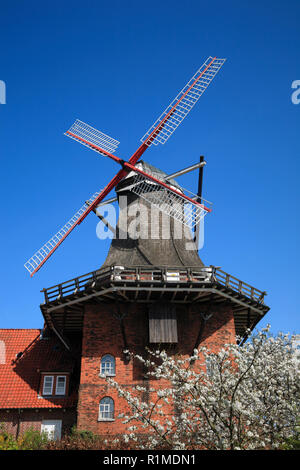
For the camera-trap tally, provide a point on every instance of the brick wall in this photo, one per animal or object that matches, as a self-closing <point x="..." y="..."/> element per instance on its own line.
<point x="102" y="334"/>
<point x="15" y="422"/>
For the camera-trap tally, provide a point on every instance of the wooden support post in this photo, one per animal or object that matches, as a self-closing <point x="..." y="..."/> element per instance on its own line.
<point x="199" y="194"/>
<point x="248" y="318"/>
<point x="120" y="317"/>
<point x="204" y="318"/>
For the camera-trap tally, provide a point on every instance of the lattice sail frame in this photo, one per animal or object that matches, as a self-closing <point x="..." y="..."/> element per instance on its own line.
<point x="101" y="143"/>
<point x="188" y="213"/>
<point x="88" y="135"/>
<point x="182" y="104"/>
<point x="44" y="251"/>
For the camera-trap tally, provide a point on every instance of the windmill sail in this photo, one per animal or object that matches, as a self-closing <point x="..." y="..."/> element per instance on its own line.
<point x="38" y="259"/>
<point x="182" y="104"/>
<point x="91" y="137"/>
<point x="179" y="205"/>
<point x="101" y="143"/>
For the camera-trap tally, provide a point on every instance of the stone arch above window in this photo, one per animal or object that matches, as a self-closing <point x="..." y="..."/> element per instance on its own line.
<point x="106" y="409"/>
<point x="108" y="365"/>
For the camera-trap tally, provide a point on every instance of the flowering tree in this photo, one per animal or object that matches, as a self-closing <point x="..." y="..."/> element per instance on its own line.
<point x="243" y="397"/>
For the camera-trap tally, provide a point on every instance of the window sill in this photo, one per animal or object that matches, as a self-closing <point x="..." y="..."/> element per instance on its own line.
<point x="52" y="396"/>
<point x="105" y="419"/>
<point x="103" y="376"/>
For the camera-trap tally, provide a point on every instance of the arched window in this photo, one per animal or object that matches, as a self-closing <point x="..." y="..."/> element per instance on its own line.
<point x="106" y="409"/>
<point x="108" y="365"/>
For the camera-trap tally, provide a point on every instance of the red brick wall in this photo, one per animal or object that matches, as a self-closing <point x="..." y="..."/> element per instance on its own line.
<point x="28" y="418"/>
<point x="102" y="335"/>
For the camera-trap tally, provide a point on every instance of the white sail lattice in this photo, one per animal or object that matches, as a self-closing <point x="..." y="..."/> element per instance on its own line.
<point x="34" y="262"/>
<point x="182" y="104"/>
<point x="89" y="136"/>
<point x="187" y="212"/>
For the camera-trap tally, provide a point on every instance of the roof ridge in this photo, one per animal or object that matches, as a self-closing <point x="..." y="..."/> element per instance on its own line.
<point x="26" y="329"/>
<point x="20" y="329"/>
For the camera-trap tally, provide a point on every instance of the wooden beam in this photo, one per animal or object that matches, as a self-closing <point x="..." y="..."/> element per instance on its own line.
<point x="204" y="318"/>
<point x="120" y="316"/>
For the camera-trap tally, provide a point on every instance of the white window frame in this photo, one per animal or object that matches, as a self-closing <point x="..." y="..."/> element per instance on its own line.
<point x="56" y="385"/>
<point x="56" y="433"/>
<point x="44" y="384"/>
<point x="112" y="369"/>
<point x="106" y="408"/>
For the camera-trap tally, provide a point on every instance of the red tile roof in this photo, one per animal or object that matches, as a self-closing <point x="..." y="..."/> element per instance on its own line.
<point x="20" y="378"/>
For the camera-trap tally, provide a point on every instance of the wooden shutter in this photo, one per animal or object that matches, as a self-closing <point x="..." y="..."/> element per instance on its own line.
<point x="162" y="324"/>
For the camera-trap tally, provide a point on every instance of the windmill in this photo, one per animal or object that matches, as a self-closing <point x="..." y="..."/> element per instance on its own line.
<point x="170" y="197"/>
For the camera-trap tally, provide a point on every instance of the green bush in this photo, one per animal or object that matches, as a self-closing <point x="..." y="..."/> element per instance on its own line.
<point x="293" y="443"/>
<point x="32" y="440"/>
<point x="76" y="440"/>
<point x="86" y="440"/>
<point x="7" y="441"/>
<point x="82" y="434"/>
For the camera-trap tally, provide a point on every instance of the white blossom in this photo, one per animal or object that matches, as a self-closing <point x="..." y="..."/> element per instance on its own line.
<point x="249" y="399"/>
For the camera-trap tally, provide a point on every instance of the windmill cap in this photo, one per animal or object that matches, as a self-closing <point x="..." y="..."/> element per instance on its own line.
<point x="127" y="183"/>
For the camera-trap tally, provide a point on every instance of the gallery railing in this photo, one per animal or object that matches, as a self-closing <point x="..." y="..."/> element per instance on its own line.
<point x="153" y="275"/>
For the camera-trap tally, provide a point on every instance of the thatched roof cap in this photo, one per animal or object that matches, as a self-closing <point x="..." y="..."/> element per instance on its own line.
<point x="163" y="246"/>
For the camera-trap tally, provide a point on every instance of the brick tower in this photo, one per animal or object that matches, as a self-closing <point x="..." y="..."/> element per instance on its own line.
<point x="152" y="290"/>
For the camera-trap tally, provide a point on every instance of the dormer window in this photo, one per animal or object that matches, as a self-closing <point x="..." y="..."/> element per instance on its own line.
<point x="55" y="384"/>
<point x="48" y="385"/>
<point x="61" y="381"/>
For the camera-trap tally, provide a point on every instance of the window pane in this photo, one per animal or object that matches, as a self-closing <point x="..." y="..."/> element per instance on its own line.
<point x="61" y="385"/>
<point x="108" y="365"/>
<point x="106" y="408"/>
<point x="48" y="385"/>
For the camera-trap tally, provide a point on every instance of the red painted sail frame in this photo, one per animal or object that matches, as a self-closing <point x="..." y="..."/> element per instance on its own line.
<point x="164" y="123"/>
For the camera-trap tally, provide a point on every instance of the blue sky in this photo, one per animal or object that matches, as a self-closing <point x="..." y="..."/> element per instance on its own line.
<point x="116" y="65"/>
